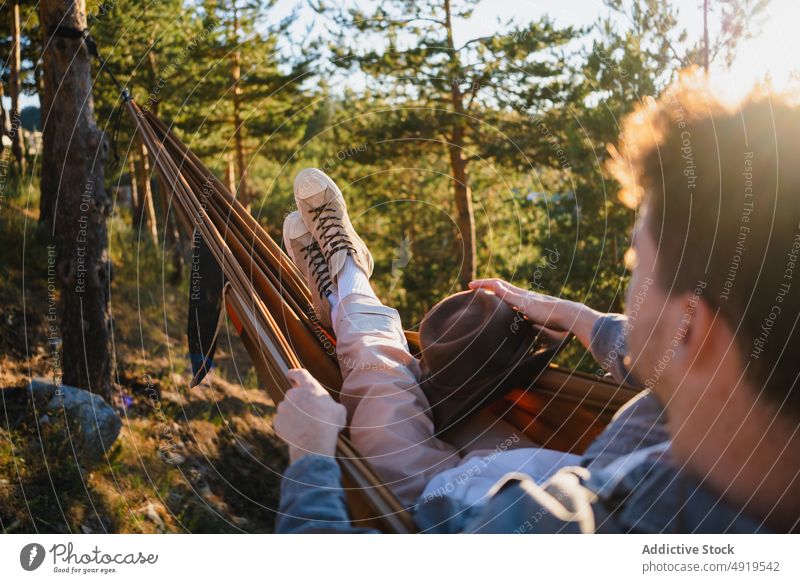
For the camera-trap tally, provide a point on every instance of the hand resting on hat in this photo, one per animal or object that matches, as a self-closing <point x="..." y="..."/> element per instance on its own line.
<point x="548" y="311"/>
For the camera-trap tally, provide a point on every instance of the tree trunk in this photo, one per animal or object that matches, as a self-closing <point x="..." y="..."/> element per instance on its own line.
<point x="134" y="192"/>
<point x="238" y="139"/>
<point x="706" y="48"/>
<point x="465" y="216"/>
<point x="74" y="151"/>
<point x="17" y="141"/>
<point x="172" y="236"/>
<point x="146" y="213"/>
<point x="4" y="126"/>
<point x="230" y="174"/>
<point x="38" y="78"/>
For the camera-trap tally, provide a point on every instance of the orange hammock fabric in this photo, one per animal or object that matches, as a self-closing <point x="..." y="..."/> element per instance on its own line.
<point x="269" y="304"/>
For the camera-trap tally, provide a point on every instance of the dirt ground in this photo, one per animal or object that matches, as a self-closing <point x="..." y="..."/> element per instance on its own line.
<point x="187" y="460"/>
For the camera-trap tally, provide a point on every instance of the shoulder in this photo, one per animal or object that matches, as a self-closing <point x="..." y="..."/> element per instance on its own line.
<point x="655" y="497"/>
<point x="649" y="497"/>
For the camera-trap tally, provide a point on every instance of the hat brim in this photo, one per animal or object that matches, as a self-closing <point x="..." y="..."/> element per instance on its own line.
<point x="450" y="405"/>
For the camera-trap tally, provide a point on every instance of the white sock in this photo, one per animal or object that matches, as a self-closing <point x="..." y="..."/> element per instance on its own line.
<point x="352" y="280"/>
<point x="333" y="299"/>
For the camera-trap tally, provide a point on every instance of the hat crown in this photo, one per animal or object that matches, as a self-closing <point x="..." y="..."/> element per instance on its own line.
<point x="470" y="337"/>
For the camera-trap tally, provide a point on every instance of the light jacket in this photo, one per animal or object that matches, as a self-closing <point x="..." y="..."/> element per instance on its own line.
<point x="624" y="482"/>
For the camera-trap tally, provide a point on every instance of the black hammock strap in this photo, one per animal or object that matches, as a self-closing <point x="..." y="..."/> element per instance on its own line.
<point x="83" y="34"/>
<point x="69" y="32"/>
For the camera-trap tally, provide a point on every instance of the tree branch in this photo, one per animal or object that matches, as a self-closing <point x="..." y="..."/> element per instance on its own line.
<point x="474" y="40"/>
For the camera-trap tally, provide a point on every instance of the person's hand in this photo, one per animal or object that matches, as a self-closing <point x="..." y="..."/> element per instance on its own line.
<point x="308" y="418"/>
<point x="548" y="311"/>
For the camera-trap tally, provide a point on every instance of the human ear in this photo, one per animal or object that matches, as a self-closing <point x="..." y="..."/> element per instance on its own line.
<point x="704" y="336"/>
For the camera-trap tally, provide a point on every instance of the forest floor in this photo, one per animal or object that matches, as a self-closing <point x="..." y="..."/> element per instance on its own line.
<point x="199" y="460"/>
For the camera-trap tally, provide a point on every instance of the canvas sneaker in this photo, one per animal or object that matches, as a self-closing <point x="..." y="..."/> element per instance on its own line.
<point x="324" y="213"/>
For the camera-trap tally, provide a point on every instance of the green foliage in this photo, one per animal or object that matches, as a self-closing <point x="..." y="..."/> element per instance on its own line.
<point x="539" y="104"/>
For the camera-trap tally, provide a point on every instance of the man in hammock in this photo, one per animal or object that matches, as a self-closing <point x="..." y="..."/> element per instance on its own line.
<point x="712" y="349"/>
<point x="390" y="419"/>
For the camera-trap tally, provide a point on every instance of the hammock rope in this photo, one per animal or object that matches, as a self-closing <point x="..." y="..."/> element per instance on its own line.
<point x="269" y="299"/>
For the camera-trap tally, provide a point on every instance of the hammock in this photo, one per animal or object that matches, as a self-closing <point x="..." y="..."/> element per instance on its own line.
<point x="269" y="304"/>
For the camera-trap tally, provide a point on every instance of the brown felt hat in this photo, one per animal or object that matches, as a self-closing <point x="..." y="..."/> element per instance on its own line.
<point x="474" y="349"/>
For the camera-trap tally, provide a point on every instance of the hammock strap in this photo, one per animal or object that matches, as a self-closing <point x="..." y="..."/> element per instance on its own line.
<point x="68" y="32"/>
<point x="91" y="46"/>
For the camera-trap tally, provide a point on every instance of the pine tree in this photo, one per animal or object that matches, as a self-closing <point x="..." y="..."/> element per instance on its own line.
<point x="151" y="56"/>
<point x="74" y="152"/>
<point x="449" y="97"/>
<point x="249" y="100"/>
<point x="738" y="21"/>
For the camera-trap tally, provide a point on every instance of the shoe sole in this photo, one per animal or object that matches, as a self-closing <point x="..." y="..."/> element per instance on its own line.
<point x="291" y="221"/>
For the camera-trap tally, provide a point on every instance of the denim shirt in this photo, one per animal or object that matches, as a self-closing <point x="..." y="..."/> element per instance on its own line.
<point x="623" y="483"/>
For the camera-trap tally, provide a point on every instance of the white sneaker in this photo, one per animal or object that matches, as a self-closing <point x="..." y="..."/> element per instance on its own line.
<point x="324" y="213"/>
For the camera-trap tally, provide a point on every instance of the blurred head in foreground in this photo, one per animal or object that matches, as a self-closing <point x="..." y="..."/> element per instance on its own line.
<point x="714" y="297"/>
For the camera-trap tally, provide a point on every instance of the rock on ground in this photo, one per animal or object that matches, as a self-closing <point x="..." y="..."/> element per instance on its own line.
<point x="94" y="425"/>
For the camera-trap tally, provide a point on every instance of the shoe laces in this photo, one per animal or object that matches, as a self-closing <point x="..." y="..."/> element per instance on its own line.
<point x="312" y="254"/>
<point x="332" y="233"/>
